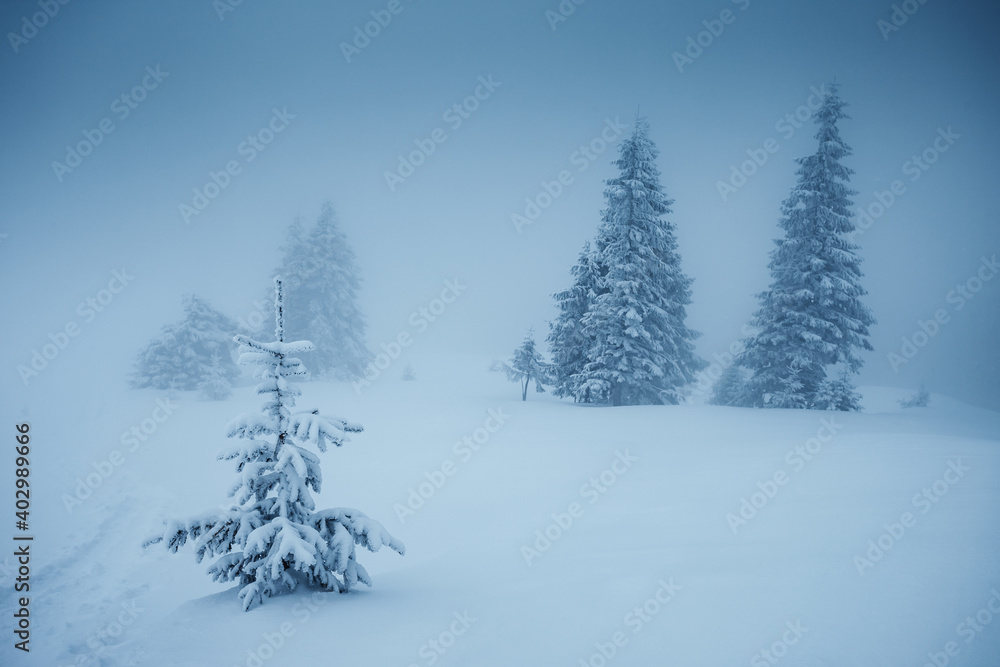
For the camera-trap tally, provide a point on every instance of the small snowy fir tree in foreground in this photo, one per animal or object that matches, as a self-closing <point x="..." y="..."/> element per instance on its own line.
<point x="182" y="356"/>
<point x="215" y="386"/>
<point x="272" y="538"/>
<point x="527" y="366"/>
<point x="921" y="399"/>
<point x="811" y="317"/>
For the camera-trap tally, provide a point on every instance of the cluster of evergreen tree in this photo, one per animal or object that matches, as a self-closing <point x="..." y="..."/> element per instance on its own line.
<point x="811" y="323"/>
<point x="620" y="336"/>
<point x="321" y="286"/>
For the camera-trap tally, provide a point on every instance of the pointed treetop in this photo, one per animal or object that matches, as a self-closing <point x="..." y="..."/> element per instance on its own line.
<point x="830" y="111"/>
<point x="640" y="126"/>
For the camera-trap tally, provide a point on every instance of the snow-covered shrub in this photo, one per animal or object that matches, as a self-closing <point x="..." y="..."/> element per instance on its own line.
<point x="921" y="399"/>
<point x="839" y="394"/>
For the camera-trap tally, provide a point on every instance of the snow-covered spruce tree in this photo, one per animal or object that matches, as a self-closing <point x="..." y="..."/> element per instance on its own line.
<point x="527" y="366"/>
<point x="408" y="375"/>
<point x="811" y="317"/>
<point x="641" y="351"/>
<point x="568" y="344"/>
<point x="729" y="387"/>
<point x="321" y="286"/>
<point x="181" y="357"/>
<point x="837" y="393"/>
<point x="788" y="394"/>
<point x="272" y="538"/>
<point x="215" y="386"/>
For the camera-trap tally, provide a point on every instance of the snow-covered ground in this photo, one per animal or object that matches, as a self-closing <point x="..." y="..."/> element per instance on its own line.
<point x="565" y="535"/>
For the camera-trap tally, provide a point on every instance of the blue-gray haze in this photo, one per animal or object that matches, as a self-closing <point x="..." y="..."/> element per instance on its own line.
<point x="716" y="81"/>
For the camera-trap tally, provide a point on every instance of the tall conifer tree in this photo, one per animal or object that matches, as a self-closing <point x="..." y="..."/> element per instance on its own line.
<point x="641" y="350"/>
<point x="811" y="317"/>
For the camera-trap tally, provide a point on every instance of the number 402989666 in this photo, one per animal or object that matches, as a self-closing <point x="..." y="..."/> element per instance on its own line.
<point x="22" y="471"/>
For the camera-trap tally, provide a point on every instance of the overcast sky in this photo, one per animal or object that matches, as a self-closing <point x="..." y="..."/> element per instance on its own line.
<point x="208" y="79"/>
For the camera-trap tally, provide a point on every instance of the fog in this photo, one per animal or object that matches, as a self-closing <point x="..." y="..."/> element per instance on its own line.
<point x="212" y="75"/>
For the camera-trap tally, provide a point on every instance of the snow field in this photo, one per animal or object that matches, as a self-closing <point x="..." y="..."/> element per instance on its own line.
<point x="641" y="565"/>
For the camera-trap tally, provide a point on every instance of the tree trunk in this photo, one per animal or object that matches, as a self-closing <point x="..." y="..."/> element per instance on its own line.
<point x="524" y="389"/>
<point x="616" y="395"/>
